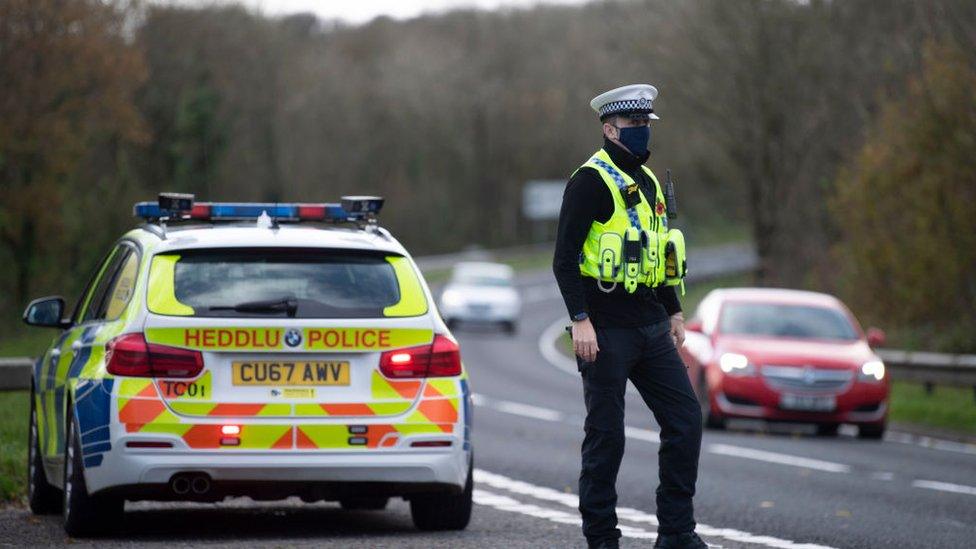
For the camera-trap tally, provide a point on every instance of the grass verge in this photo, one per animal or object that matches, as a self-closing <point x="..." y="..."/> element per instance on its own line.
<point x="13" y="446"/>
<point x="952" y="408"/>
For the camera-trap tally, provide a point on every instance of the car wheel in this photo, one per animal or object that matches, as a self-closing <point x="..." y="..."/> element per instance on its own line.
<point x="871" y="431"/>
<point x="364" y="504"/>
<point x="84" y="515"/>
<point x="443" y="511"/>
<point x="43" y="498"/>
<point x="827" y="429"/>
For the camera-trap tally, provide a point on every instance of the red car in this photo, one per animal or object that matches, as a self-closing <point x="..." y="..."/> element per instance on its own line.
<point x="786" y="355"/>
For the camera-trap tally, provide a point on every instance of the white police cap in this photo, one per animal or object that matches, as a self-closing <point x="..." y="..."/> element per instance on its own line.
<point x="632" y="99"/>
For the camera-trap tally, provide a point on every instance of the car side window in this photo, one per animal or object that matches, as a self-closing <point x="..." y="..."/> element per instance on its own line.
<point x="122" y="288"/>
<point x="105" y="279"/>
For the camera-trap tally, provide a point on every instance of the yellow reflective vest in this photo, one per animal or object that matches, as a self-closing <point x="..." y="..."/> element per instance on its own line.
<point x="634" y="246"/>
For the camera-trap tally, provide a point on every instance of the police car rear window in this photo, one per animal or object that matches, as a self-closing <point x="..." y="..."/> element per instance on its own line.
<point x="296" y="283"/>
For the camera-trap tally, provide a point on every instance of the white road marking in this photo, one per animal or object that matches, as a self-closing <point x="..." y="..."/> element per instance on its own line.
<point x="642" y="434"/>
<point x="945" y="487"/>
<point x="527" y="410"/>
<point x="505" y="503"/>
<point x="548" y="414"/>
<point x="547" y="347"/>
<point x="774" y="457"/>
<point x="929" y="442"/>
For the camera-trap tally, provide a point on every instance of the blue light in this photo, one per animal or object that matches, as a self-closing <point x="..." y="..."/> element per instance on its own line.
<point x="246" y="210"/>
<point x="147" y="210"/>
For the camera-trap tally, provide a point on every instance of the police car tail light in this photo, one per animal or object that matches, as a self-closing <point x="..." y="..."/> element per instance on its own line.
<point x="445" y="358"/>
<point x="130" y="355"/>
<point x="440" y="358"/>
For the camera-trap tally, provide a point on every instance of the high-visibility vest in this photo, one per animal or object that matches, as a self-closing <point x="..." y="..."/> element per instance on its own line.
<point x="634" y="246"/>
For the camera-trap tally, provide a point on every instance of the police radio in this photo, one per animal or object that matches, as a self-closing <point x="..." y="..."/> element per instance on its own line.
<point x="669" y="199"/>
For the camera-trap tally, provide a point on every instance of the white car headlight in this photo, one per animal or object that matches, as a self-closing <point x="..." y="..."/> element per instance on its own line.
<point x="872" y="370"/>
<point x="735" y="364"/>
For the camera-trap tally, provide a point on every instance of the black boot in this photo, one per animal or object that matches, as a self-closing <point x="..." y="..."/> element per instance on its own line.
<point x="605" y="544"/>
<point x="684" y="540"/>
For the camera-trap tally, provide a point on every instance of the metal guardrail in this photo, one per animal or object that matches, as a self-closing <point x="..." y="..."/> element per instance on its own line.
<point x="15" y="373"/>
<point x="930" y="369"/>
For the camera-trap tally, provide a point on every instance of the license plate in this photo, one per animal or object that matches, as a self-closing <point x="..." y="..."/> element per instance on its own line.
<point x="299" y="372"/>
<point x="808" y="403"/>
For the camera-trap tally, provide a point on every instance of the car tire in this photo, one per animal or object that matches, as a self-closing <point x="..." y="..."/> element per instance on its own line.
<point x="42" y="497"/>
<point x="444" y="511"/>
<point x="364" y="503"/>
<point x="84" y="515"/>
<point x="871" y="431"/>
<point x="827" y="429"/>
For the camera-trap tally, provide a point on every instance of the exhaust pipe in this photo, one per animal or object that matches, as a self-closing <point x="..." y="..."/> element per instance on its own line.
<point x="180" y="484"/>
<point x="200" y="484"/>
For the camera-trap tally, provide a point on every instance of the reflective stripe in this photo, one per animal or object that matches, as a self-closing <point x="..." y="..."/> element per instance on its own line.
<point x="622" y="186"/>
<point x="161" y="295"/>
<point x="412" y="302"/>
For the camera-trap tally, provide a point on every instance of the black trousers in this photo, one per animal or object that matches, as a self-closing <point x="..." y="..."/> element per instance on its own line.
<point x="648" y="358"/>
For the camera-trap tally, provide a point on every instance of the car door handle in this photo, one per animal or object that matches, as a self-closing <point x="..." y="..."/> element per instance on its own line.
<point x="76" y="346"/>
<point x="55" y="353"/>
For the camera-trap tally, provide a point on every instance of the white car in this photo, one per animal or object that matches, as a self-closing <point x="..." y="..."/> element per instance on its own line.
<point x="481" y="292"/>
<point x="263" y="350"/>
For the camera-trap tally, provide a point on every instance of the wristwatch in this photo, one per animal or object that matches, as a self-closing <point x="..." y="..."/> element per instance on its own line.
<point x="580" y="316"/>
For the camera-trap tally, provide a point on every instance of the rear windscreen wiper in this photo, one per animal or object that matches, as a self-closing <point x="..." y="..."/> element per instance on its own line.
<point x="288" y="305"/>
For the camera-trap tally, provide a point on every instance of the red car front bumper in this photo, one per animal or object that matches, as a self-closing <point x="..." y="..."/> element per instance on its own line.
<point x="752" y="397"/>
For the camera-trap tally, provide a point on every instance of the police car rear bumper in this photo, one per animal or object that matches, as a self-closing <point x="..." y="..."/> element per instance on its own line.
<point x="147" y="473"/>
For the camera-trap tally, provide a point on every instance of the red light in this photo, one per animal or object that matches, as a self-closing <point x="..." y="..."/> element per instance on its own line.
<point x="230" y="430"/>
<point x="442" y="358"/>
<point x="311" y="212"/>
<point x="130" y="355"/>
<point x="200" y="210"/>
<point x="430" y="443"/>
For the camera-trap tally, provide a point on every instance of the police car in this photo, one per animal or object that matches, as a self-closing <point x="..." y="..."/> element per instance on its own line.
<point x="262" y="350"/>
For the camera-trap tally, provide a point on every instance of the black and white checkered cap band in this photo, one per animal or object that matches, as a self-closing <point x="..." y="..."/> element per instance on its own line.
<point x="628" y="105"/>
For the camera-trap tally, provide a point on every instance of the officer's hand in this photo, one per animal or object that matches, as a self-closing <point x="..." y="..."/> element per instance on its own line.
<point x="678" y="329"/>
<point x="584" y="340"/>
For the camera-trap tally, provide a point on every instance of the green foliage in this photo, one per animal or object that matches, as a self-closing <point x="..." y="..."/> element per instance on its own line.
<point x="14" y="408"/>
<point x="905" y="210"/>
<point x="947" y="407"/>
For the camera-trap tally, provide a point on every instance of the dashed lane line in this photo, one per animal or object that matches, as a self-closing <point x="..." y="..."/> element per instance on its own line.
<point x="945" y="487"/>
<point x="495" y="481"/>
<point x="776" y="457"/>
<point x="654" y="437"/>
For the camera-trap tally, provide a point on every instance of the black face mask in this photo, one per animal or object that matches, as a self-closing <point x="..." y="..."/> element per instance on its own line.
<point x="635" y="138"/>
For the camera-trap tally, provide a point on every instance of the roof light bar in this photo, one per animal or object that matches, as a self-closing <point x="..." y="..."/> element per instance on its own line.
<point x="177" y="207"/>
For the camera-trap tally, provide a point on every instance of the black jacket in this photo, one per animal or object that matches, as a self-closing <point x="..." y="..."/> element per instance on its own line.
<point x="586" y="199"/>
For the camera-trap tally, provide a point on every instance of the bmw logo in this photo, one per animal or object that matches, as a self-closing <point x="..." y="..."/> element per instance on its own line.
<point x="293" y="338"/>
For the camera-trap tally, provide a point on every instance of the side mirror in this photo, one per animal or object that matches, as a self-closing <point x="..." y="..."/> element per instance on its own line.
<point x="46" y="312"/>
<point x="876" y="337"/>
<point x="694" y="325"/>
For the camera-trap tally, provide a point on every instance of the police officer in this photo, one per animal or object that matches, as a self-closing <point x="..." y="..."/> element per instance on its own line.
<point x="617" y="264"/>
